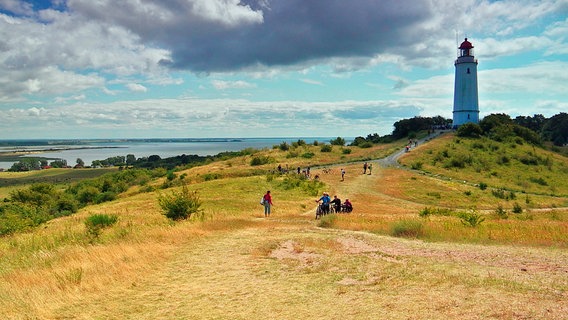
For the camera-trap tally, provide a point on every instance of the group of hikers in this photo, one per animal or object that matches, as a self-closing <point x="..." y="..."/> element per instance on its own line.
<point x="325" y="204"/>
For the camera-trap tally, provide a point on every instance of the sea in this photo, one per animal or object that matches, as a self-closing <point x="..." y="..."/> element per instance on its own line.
<point x="89" y="150"/>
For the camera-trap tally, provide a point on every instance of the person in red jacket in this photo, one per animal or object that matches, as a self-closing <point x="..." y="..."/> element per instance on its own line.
<point x="267" y="201"/>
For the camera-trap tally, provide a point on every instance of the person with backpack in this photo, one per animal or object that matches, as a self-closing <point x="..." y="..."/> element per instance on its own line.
<point x="267" y="202"/>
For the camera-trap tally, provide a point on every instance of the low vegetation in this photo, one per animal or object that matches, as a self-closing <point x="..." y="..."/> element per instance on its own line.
<point x="75" y="248"/>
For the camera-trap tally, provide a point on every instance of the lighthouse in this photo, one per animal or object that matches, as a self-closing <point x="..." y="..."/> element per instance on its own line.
<point x="466" y="104"/>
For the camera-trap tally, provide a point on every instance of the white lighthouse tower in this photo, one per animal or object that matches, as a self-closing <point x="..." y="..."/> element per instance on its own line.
<point x="466" y="104"/>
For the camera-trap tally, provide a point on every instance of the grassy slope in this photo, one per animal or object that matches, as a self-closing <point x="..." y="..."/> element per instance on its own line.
<point x="238" y="265"/>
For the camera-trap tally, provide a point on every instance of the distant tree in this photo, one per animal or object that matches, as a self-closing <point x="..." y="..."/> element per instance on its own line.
<point x="154" y="158"/>
<point x="339" y="141"/>
<point x="535" y="123"/>
<point x="60" y="163"/>
<point x="43" y="163"/>
<point x="358" y="141"/>
<point x="130" y="159"/>
<point x="374" y="138"/>
<point x="556" y="129"/>
<point x="26" y="164"/>
<point x="494" y="120"/>
<point x="471" y="130"/>
<point x="80" y="162"/>
<point x="405" y="127"/>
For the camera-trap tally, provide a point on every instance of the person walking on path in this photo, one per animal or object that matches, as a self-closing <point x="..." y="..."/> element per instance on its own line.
<point x="370" y="167"/>
<point x="365" y="168"/>
<point x="267" y="202"/>
<point x="342" y="174"/>
<point x="325" y="201"/>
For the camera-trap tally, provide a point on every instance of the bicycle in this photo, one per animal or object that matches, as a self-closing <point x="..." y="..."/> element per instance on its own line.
<point x="321" y="211"/>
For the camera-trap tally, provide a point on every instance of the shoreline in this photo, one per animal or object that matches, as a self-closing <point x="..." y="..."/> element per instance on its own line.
<point x="16" y="155"/>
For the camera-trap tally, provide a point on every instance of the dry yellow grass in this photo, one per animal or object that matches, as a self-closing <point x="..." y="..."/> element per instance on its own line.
<point x="238" y="265"/>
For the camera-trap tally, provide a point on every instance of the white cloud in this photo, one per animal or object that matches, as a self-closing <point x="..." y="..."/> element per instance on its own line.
<point x="223" y="85"/>
<point x="136" y="87"/>
<point x="310" y="81"/>
<point x="17" y="7"/>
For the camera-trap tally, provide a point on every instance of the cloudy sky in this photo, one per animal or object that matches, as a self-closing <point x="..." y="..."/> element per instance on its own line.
<point x="268" y="68"/>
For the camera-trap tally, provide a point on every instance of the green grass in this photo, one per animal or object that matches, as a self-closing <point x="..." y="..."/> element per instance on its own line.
<point x="521" y="168"/>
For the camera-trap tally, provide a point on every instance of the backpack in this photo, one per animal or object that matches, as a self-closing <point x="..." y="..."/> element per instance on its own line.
<point x="262" y="200"/>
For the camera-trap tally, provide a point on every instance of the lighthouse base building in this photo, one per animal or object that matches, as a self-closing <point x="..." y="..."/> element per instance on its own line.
<point x="466" y="104"/>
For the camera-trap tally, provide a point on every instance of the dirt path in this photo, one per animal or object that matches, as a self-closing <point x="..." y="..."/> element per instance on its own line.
<point x="290" y="272"/>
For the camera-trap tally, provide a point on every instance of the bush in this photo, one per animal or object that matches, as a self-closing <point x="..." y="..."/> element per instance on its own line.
<point x="326" y="148"/>
<point x="308" y="155"/>
<point x="257" y="161"/>
<point x="97" y="222"/>
<point x="338" y="141"/>
<point x="327" y="221"/>
<point x="407" y="229"/>
<point x="180" y="205"/>
<point x="469" y="129"/>
<point x="517" y="208"/>
<point x="417" y="165"/>
<point x="346" y="151"/>
<point x="105" y="197"/>
<point x="471" y="218"/>
<point x="482" y="185"/>
<point x="501" y="213"/>
<point x="539" y="181"/>
<point x="294" y="181"/>
<point x="284" y="146"/>
<point x="435" y="212"/>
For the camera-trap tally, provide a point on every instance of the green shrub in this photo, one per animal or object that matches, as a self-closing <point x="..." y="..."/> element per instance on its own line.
<point x="499" y="193"/>
<point x="211" y="176"/>
<point x="260" y="160"/>
<point x="539" y="181"/>
<point x="95" y="223"/>
<point x="105" y="197"/>
<point x="292" y="154"/>
<point x="346" y="151"/>
<point x="417" y="165"/>
<point x="428" y="211"/>
<point x="338" y="141"/>
<point x="469" y="129"/>
<point x="295" y="181"/>
<point x="471" y="218"/>
<point x="170" y="175"/>
<point x="482" y="185"/>
<point x="517" y="208"/>
<point x="407" y="229"/>
<point x="327" y="221"/>
<point x="180" y="205"/>
<point x="308" y="155"/>
<point x="284" y="146"/>
<point x="501" y="213"/>
<point x="436" y="195"/>
<point x="326" y="148"/>
<point x="365" y="145"/>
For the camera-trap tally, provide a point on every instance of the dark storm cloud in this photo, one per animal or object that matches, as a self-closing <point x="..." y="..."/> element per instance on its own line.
<point x="225" y="35"/>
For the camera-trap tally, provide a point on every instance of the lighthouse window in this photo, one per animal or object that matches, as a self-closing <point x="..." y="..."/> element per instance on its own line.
<point x="467" y="70"/>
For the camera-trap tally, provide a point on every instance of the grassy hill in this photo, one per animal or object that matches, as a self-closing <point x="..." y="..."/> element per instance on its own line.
<point x="465" y="228"/>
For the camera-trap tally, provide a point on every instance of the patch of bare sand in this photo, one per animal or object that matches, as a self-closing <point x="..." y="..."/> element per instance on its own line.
<point x="291" y="250"/>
